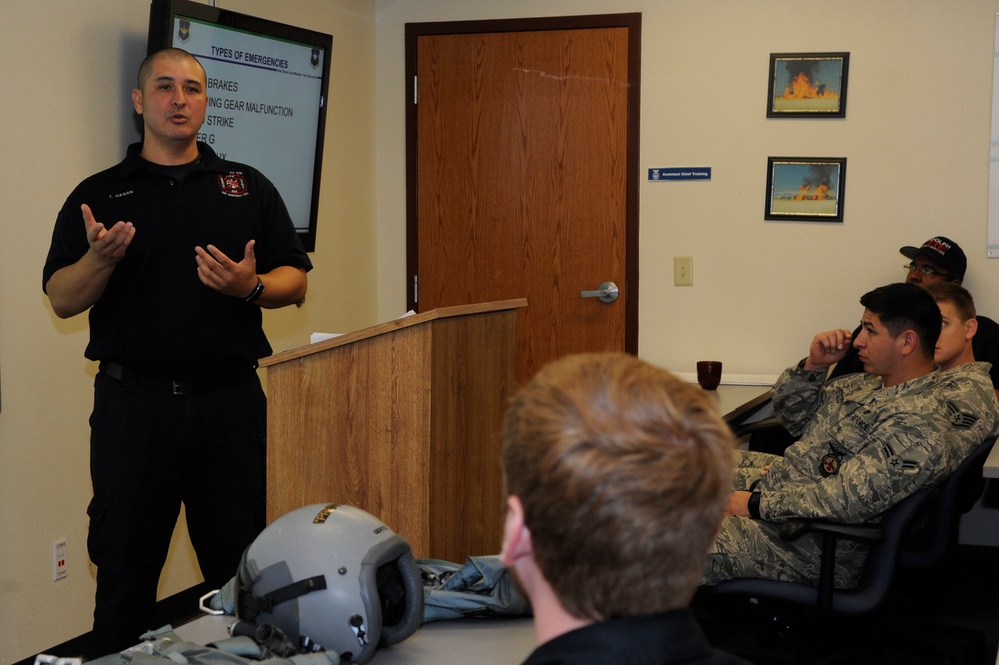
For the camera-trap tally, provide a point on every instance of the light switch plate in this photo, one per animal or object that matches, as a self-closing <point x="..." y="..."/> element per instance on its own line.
<point x="683" y="271"/>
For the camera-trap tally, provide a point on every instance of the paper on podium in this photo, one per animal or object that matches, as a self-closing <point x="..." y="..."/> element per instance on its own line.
<point x="321" y="337"/>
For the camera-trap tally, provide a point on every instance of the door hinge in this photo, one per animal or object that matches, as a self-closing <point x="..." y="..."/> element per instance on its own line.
<point x="416" y="93"/>
<point x="416" y="289"/>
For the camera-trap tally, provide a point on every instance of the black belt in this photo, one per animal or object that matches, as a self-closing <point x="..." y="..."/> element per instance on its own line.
<point x="125" y="375"/>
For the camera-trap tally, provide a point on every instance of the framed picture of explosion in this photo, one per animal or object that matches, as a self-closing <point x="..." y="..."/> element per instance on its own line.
<point x="807" y="85"/>
<point x="805" y="189"/>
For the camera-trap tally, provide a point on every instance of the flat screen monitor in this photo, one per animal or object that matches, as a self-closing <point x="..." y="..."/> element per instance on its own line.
<point x="267" y="90"/>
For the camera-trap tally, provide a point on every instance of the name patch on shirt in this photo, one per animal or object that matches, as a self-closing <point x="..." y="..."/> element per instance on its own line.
<point x="233" y="184"/>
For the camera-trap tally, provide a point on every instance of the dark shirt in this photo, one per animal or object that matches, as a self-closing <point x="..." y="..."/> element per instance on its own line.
<point x="155" y="316"/>
<point x="985" y="344"/>
<point x="662" y="639"/>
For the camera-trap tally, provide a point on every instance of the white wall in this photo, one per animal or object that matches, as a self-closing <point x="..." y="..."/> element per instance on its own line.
<point x="916" y="136"/>
<point x="70" y="66"/>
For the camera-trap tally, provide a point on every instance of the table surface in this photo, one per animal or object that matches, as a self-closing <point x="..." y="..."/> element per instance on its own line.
<point x="478" y="641"/>
<point x="736" y="401"/>
<point x="466" y="641"/>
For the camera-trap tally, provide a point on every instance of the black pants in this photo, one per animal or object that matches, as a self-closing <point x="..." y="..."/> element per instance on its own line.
<point x="150" y="451"/>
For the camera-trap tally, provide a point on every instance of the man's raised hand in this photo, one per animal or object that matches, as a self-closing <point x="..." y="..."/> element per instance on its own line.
<point x="827" y="348"/>
<point x="108" y="245"/>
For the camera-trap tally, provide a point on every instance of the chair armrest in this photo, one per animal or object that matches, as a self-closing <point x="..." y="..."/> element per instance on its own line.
<point x="764" y="425"/>
<point x="796" y="527"/>
<point x="830" y="532"/>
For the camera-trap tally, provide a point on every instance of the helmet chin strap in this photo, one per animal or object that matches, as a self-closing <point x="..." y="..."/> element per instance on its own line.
<point x="252" y="605"/>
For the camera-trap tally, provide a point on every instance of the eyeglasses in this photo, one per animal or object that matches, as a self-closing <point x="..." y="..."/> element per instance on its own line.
<point x="926" y="270"/>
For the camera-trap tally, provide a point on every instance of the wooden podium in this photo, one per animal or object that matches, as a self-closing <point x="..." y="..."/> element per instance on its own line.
<point x="401" y="419"/>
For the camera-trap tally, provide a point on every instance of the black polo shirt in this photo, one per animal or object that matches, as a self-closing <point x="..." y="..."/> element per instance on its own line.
<point x="661" y="639"/>
<point x="155" y="316"/>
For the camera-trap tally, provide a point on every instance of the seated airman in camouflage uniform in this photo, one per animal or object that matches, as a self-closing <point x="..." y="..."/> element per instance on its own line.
<point x="955" y="352"/>
<point x="867" y="441"/>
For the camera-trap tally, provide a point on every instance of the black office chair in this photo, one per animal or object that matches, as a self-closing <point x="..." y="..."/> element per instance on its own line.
<point x="936" y="538"/>
<point x="764" y="435"/>
<point x="930" y="549"/>
<point x="936" y="509"/>
<point x="823" y="601"/>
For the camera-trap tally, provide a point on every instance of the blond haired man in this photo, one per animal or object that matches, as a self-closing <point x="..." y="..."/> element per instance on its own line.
<point x="955" y="355"/>
<point x="617" y="473"/>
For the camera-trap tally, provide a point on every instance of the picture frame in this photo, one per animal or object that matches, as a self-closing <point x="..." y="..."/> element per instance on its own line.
<point x="806" y="189"/>
<point x="808" y="85"/>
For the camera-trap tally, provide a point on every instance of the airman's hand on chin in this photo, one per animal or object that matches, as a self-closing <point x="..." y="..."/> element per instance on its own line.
<point x="828" y="348"/>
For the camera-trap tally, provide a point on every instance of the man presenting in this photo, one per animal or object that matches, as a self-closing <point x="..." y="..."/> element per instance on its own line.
<point x="867" y="440"/>
<point x="174" y="251"/>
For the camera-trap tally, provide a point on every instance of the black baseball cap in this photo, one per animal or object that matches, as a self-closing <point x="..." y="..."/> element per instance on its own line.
<point x="944" y="251"/>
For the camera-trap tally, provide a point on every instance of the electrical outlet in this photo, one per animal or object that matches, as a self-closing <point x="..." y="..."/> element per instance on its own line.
<point x="59" y="560"/>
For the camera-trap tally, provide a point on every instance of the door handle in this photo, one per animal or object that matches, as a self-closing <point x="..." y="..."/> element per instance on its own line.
<point x="607" y="292"/>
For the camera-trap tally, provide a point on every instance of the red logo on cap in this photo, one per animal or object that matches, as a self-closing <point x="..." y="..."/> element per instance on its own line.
<point x="937" y="245"/>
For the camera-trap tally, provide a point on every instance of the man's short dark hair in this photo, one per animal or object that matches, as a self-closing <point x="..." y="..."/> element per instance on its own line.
<point x="146" y="67"/>
<point x="903" y="306"/>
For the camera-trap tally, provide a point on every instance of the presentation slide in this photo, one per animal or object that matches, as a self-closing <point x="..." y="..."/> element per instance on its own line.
<point x="264" y="98"/>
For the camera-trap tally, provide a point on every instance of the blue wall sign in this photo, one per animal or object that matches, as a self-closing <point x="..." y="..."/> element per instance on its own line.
<point x="680" y="173"/>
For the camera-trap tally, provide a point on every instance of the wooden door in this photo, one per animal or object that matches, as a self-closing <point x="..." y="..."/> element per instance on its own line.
<point x="523" y="176"/>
